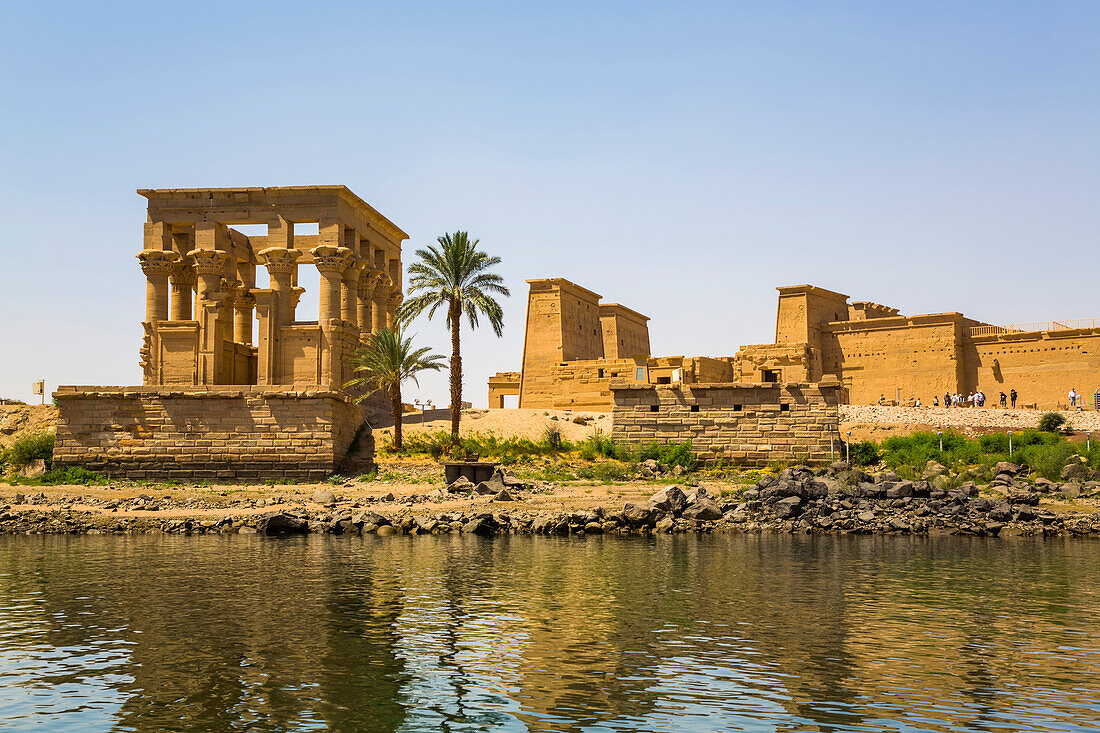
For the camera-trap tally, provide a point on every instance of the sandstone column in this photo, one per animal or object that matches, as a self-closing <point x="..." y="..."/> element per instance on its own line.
<point x="391" y="311"/>
<point x="209" y="270"/>
<point x="182" y="277"/>
<point x="349" y="292"/>
<point x="331" y="262"/>
<point x="274" y="309"/>
<point x="381" y="302"/>
<point x="363" y="303"/>
<point x="156" y="265"/>
<point x="242" y="316"/>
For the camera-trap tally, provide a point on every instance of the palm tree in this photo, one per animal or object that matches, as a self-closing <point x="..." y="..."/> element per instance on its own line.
<point x="455" y="274"/>
<point x="384" y="363"/>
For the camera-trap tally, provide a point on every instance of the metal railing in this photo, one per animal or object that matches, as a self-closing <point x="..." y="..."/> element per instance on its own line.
<point x="1040" y="326"/>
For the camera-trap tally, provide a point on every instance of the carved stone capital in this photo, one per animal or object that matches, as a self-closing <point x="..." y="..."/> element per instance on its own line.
<point x="156" y="262"/>
<point x="278" y="260"/>
<point x="396" y="298"/>
<point x="331" y="260"/>
<point x="244" y="301"/>
<point x="182" y="275"/>
<point x="354" y="271"/>
<point x="208" y="261"/>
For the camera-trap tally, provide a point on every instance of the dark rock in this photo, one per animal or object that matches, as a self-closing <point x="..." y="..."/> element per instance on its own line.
<point x="866" y="517"/>
<point x="788" y="507"/>
<point x="276" y="523"/>
<point x="502" y="495"/>
<point x="665" y="525"/>
<point x="1071" y="490"/>
<point x="386" y="530"/>
<point x="1075" y="472"/>
<point x="1023" y="513"/>
<point x="637" y="516"/>
<point x="1006" y="468"/>
<point x="705" y="510"/>
<point x="669" y="499"/>
<point x="1001" y="512"/>
<point x="900" y="490"/>
<point x="460" y="485"/>
<point x="1023" y="496"/>
<point x="766" y="481"/>
<point x="899" y="524"/>
<point x="34" y="469"/>
<point x="479" y="525"/>
<point x="485" y="488"/>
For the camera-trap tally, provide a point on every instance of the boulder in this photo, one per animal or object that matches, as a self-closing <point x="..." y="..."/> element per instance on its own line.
<point x="34" y="469"/>
<point x="637" y="516"/>
<point x="1006" y="468"/>
<point x="665" y="525"/>
<point x="386" y="530"/>
<point x="866" y="517"/>
<point x="486" y="488"/>
<point x="696" y="494"/>
<point x="899" y="524"/>
<point x="502" y="495"/>
<point x="479" y="525"/>
<point x="1075" y="472"/>
<point x="460" y="485"/>
<point x="1071" y="490"/>
<point x="1002" y="512"/>
<point x="277" y="523"/>
<point x="324" y="497"/>
<point x="705" y="510"/>
<point x="1019" y="495"/>
<point x="669" y="499"/>
<point x="766" y="481"/>
<point x="593" y="528"/>
<point x="787" y="508"/>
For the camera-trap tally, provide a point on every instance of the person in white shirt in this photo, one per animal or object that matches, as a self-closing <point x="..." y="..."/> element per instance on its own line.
<point x="1073" y="397"/>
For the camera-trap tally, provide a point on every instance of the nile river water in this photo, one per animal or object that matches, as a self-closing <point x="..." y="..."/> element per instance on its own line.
<point x="462" y="633"/>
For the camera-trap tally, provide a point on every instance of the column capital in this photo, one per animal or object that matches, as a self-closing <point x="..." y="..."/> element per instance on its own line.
<point x="279" y="260"/>
<point x="330" y="259"/>
<point x="182" y="274"/>
<point x="156" y="261"/>
<point x="354" y="271"/>
<point x="396" y="298"/>
<point x="244" y="301"/>
<point x="208" y="261"/>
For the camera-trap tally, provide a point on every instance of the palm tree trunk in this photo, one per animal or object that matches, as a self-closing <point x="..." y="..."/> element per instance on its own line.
<point x="455" y="315"/>
<point x="396" y="407"/>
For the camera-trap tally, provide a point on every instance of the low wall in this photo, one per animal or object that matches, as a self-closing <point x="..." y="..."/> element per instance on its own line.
<point x="232" y="433"/>
<point x="747" y="424"/>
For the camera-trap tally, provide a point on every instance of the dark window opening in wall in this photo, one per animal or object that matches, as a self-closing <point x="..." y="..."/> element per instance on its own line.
<point x="664" y="380"/>
<point x="784" y="407"/>
<point x="654" y="408"/>
<point x="695" y="408"/>
<point x="771" y="376"/>
<point x="737" y="408"/>
<point x="599" y="373"/>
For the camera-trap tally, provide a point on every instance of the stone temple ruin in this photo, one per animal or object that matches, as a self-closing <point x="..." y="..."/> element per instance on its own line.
<point x="779" y="400"/>
<point x="233" y="385"/>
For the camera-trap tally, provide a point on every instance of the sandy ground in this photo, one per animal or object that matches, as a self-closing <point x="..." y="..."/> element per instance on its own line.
<point x="505" y="423"/>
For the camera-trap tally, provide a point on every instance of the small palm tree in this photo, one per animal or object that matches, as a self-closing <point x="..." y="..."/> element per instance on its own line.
<point x="384" y="363"/>
<point x="456" y="275"/>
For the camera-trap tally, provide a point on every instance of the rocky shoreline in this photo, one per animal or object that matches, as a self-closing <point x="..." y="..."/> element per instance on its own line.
<point x="834" y="500"/>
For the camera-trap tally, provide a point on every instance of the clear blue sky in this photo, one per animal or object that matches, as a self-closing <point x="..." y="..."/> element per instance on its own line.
<point x="680" y="158"/>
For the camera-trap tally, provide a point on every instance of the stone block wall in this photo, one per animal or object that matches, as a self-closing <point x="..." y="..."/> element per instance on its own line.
<point x="746" y="424"/>
<point x="231" y="433"/>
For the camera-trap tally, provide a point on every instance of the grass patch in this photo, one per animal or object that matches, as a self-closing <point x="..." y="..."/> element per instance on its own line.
<point x="60" y="476"/>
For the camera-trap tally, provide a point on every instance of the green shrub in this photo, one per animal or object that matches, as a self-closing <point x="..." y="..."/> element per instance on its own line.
<point x="1046" y="460"/>
<point x="59" y="476"/>
<point x="552" y="437"/>
<point x="1051" y="421"/>
<point x="29" y="448"/>
<point x="864" y="453"/>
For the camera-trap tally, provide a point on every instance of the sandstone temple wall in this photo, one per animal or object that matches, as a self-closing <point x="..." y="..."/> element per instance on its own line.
<point x="750" y="424"/>
<point x="1040" y="366"/>
<point x="227" y="433"/>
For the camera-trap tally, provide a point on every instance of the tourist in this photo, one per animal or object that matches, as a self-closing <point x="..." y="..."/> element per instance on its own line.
<point x="1004" y="399"/>
<point x="946" y="399"/>
<point x="918" y="402"/>
<point x="981" y="398"/>
<point x="1012" y="397"/>
<point x="935" y="401"/>
<point x="1073" y="397"/>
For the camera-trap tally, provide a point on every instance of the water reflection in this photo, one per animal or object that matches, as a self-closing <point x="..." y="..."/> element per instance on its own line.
<point x="535" y="633"/>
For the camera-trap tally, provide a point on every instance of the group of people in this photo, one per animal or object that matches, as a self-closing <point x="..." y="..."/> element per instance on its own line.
<point x="975" y="399"/>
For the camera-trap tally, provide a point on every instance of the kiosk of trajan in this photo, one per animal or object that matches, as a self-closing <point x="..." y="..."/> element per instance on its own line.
<point x="234" y="386"/>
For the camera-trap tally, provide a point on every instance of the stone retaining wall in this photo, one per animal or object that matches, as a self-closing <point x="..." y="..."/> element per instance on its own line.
<point x="747" y="424"/>
<point x="237" y="433"/>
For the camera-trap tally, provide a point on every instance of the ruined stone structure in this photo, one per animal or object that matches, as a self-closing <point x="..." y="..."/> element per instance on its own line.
<point x="873" y="350"/>
<point x="230" y="394"/>
<point x="876" y="352"/>
<point x="746" y="424"/>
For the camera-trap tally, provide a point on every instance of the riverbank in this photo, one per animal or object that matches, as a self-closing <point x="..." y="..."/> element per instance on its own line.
<point x="834" y="500"/>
